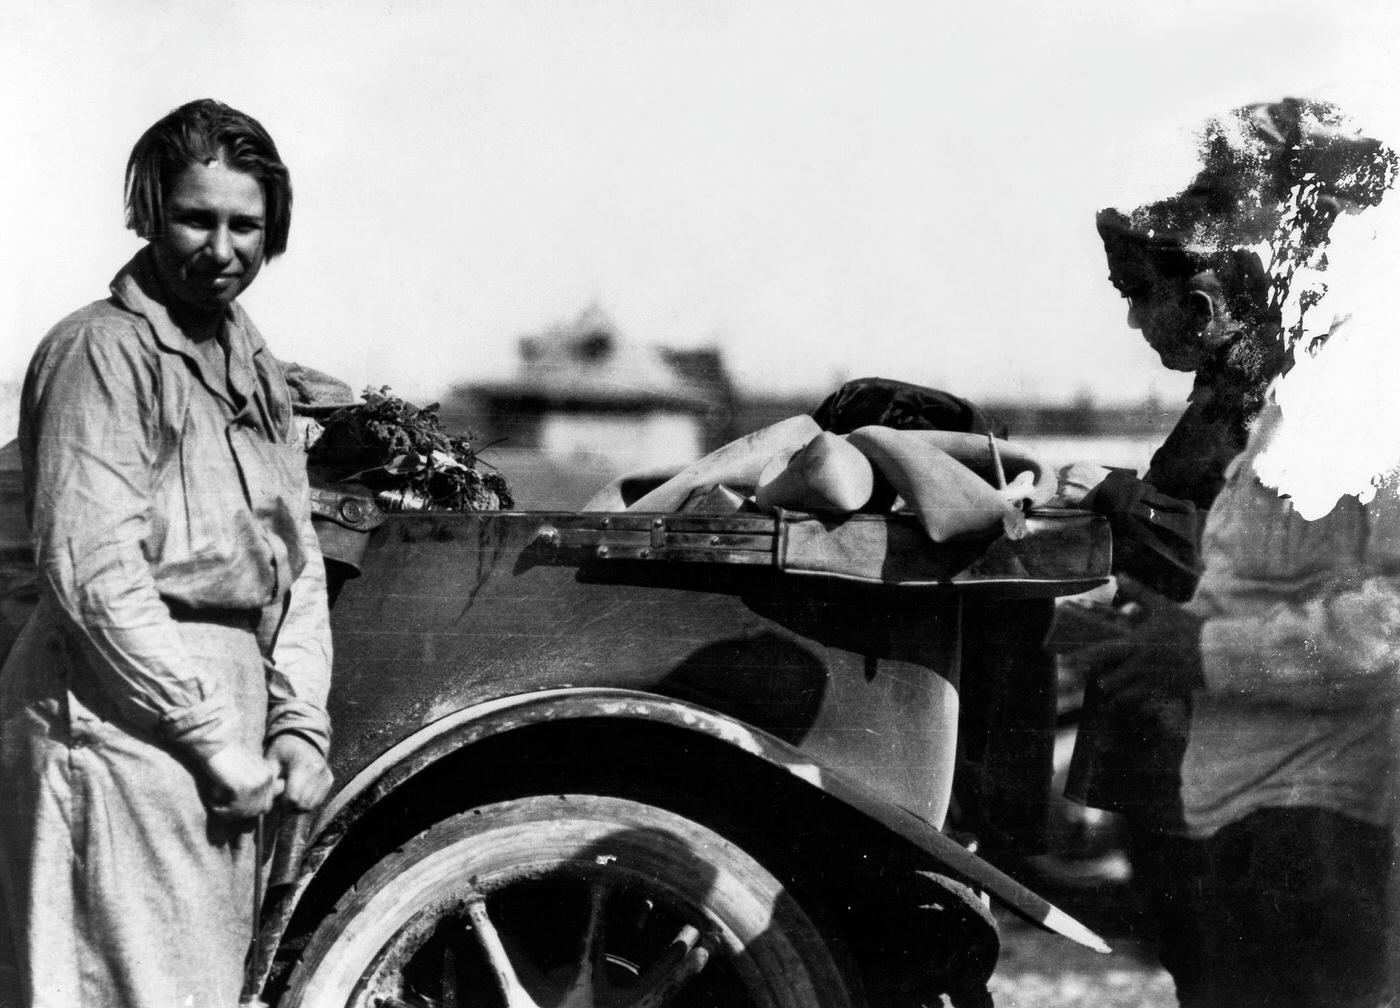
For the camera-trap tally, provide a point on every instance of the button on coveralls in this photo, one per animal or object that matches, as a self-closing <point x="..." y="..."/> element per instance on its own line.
<point x="182" y="608"/>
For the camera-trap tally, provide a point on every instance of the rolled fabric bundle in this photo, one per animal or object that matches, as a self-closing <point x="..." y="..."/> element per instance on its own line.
<point x="737" y="464"/>
<point x="607" y="499"/>
<point x="888" y="402"/>
<point x="826" y="474"/>
<point x="1029" y="481"/>
<point x="618" y="494"/>
<point x="937" y="475"/>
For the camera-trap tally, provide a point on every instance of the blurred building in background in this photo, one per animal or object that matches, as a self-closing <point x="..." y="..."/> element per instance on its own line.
<point x="585" y="388"/>
<point x="588" y="403"/>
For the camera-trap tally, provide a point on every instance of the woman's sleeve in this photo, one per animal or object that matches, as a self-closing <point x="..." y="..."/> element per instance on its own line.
<point x="1337" y="646"/>
<point x="299" y="677"/>
<point x="1335" y="650"/>
<point x="1155" y="537"/>
<point x="91" y="403"/>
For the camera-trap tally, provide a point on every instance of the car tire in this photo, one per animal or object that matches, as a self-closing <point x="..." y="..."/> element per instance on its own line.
<point x="570" y="900"/>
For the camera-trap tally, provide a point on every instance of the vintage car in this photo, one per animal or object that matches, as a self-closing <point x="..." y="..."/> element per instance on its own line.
<point x="644" y="759"/>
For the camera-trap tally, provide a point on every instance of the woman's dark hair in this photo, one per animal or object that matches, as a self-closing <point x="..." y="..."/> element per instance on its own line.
<point x="1244" y="280"/>
<point x="197" y="133"/>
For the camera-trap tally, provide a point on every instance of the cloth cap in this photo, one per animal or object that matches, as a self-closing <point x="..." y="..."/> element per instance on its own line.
<point x="315" y="393"/>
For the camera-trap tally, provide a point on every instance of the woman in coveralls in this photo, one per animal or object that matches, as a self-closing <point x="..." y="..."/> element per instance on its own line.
<point x="172" y="681"/>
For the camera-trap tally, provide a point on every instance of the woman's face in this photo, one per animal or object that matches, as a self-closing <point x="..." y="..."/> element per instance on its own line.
<point x="212" y="248"/>
<point x="1175" y="314"/>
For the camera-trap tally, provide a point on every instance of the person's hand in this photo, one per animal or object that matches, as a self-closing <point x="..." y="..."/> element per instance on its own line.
<point x="302" y="769"/>
<point x="244" y="783"/>
<point x="1020" y="490"/>
<point x="1074" y="482"/>
<point x="1161" y="657"/>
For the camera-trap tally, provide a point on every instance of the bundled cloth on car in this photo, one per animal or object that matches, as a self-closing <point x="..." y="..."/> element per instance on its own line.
<point x="957" y="483"/>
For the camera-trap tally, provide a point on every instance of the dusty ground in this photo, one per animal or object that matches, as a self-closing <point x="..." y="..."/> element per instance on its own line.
<point x="1040" y="970"/>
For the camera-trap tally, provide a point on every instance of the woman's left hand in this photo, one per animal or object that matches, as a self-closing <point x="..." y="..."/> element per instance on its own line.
<point x="1161" y="657"/>
<point x="303" y="770"/>
<point x="1076" y="481"/>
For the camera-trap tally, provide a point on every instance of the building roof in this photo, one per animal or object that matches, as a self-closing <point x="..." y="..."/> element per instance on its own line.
<point x="588" y="361"/>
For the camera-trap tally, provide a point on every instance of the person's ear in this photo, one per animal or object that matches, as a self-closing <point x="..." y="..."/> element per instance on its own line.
<point x="1209" y="320"/>
<point x="1200" y="308"/>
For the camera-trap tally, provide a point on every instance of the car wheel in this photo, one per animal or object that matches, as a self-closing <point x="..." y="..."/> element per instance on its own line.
<point x="568" y="901"/>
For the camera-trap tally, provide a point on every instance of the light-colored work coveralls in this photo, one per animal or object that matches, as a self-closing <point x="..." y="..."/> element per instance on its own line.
<point x="181" y="608"/>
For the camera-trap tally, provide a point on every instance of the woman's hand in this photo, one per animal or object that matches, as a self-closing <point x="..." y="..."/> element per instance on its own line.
<point x="1075" y="481"/>
<point x="244" y="783"/>
<point x="1162" y="656"/>
<point x="302" y="770"/>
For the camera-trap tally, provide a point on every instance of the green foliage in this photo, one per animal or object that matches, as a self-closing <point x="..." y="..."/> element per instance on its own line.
<point x="402" y="452"/>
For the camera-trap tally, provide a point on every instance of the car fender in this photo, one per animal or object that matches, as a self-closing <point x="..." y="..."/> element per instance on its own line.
<point x="474" y="724"/>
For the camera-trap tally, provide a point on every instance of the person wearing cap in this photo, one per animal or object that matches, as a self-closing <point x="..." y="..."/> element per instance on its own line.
<point x="1267" y="698"/>
<point x="171" y="683"/>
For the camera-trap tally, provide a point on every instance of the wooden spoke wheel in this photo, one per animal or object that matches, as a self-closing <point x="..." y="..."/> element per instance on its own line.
<point x="572" y="901"/>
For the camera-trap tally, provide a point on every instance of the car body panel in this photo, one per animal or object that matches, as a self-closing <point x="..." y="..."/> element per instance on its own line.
<point x="827" y="648"/>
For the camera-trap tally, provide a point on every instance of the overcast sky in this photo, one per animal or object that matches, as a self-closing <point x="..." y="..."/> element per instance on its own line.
<point x="825" y="190"/>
